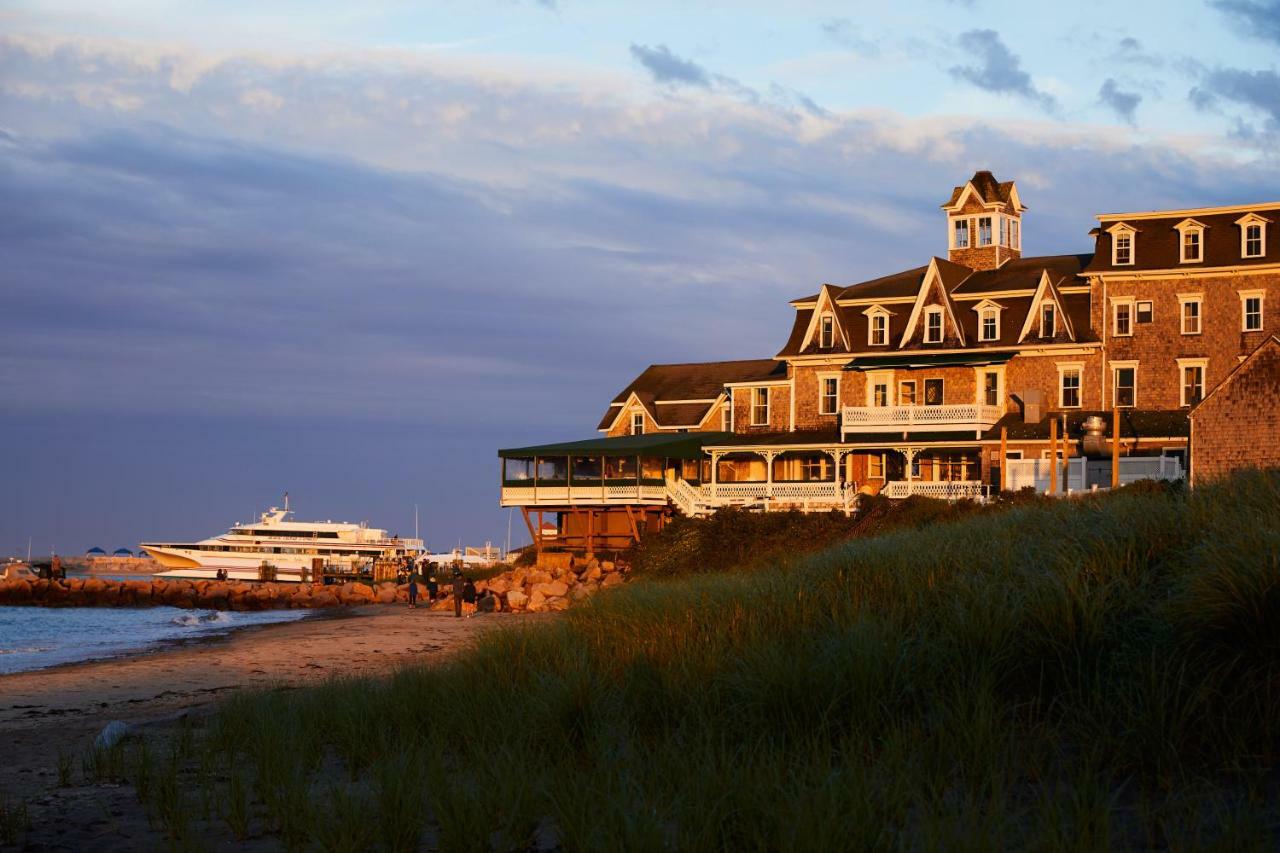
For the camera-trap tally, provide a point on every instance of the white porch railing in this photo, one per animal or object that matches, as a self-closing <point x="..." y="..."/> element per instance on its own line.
<point x="950" y="490"/>
<point x="953" y="417"/>
<point x="1036" y="473"/>
<point x="607" y="493"/>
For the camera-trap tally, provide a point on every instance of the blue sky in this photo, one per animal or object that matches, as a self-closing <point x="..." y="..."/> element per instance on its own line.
<point x="348" y="250"/>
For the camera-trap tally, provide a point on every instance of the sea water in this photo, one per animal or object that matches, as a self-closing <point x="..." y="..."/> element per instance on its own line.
<point x="36" y="637"/>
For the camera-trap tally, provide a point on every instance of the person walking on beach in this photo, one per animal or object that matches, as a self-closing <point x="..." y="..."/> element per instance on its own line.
<point x="433" y="585"/>
<point x="413" y="590"/>
<point x="459" y="589"/>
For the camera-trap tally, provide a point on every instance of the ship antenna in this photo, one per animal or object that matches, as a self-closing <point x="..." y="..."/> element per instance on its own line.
<point x="286" y="501"/>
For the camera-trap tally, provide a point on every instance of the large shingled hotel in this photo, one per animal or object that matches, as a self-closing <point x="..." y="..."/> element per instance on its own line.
<point x="967" y="374"/>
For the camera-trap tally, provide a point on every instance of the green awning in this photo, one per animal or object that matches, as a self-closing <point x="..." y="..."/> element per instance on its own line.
<point x="910" y="360"/>
<point x="685" y="445"/>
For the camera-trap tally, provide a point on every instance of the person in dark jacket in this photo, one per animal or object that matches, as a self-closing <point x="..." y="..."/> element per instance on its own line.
<point x="459" y="589"/>
<point x="469" y="592"/>
<point x="413" y="589"/>
<point x="433" y="587"/>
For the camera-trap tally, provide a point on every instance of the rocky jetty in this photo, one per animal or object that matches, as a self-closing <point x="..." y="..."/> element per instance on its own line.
<point x="521" y="589"/>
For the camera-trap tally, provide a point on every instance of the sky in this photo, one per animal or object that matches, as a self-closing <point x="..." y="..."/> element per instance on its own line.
<point x="349" y="250"/>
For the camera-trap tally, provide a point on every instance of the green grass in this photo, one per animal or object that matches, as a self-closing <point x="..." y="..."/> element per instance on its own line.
<point x="1068" y="675"/>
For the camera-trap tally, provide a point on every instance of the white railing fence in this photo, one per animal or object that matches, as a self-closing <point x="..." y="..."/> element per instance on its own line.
<point x="1036" y="473"/>
<point x="1078" y="474"/>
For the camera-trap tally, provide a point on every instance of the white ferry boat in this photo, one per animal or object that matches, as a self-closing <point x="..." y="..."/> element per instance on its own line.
<point x="290" y="546"/>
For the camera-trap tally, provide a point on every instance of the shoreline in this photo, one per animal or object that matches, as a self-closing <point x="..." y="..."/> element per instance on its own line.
<point x="59" y="710"/>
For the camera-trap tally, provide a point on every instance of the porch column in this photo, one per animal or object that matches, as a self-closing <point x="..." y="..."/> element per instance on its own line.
<point x="769" y="456"/>
<point x="715" y="472"/>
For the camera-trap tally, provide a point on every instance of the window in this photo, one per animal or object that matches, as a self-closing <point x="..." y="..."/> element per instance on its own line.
<point x="990" y="388"/>
<point x="1013" y="454"/>
<point x="1253" y="240"/>
<point x="1251" y="308"/>
<point x="1192" y="244"/>
<point x="875" y="466"/>
<point x="1145" y="312"/>
<point x="984" y="230"/>
<point x="933" y="325"/>
<point x="962" y="234"/>
<point x="1190" y="315"/>
<point x="1048" y="320"/>
<point x="828" y="395"/>
<point x="1123" y="325"/>
<point x="827" y="337"/>
<point x="933" y="392"/>
<point x="760" y="407"/>
<point x="907" y="393"/>
<point x="989" y="324"/>
<point x="637" y="423"/>
<point x="1122" y="249"/>
<point x="1192" y="381"/>
<point x="1125" y="386"/>
<point x="1069" y="387"/>
<point x="880" y="394"/>
<point x="878" y="334"/>
<point x="726" y="418"/>
<point x="1015" y="239"/>
<point x="1004" y="234"/>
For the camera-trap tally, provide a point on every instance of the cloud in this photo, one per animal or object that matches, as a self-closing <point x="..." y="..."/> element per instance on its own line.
<point x="1130" y="50"/>
<point x="1124" y="103"/>
<point x="668" y="68"/>
<point x="1255" y="90"/>
<point x="845" y="33"/>
<point x="998" y="70"/>
<point x="1256" y="18"/>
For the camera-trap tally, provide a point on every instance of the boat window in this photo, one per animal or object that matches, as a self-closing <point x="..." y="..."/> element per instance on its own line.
<point x="520" y="468"/>
<point x="620" y="467"/>
<point x="651" y="468"/>
<point x="553" y="468"/>
<point x="586" y="468"/>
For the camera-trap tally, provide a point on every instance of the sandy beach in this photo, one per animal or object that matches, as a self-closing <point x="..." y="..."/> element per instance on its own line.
<point x="62" y="709"/>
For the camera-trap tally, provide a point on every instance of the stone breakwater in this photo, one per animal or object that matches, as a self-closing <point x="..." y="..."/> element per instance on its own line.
<point x="518" y="590"/>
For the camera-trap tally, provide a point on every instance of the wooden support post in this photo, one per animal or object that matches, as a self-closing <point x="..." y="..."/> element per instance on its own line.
<point x="1004" y="458"/>
<point x="533" y="535"/>
<point x="1115" y="448"/>
<point x="631" y="519"/>
<point x="591" y="529"/>
<point x="1053" y="455"/>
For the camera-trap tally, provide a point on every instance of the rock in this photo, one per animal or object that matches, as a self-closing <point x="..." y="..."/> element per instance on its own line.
<point x="612" y="579"/>
<point x="499" y="585"/>
<point x="324" y="599"/>
<point x="358" y="590"/>
<point x="388" y="595"/>
<point x="608" y="566"/>
<point x="517" y="600"/>
<point x="558" y="603"/>
<point x="581" y="591"/>
<point x="537" y="602"/>
<point x="553" y="589"/>
<point x="112" y="733"/>
<point x="592" y="574"/>
<point x="538" y="577"/>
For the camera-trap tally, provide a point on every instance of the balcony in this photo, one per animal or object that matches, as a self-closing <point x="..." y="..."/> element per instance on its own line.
<point x="952" y="418"/>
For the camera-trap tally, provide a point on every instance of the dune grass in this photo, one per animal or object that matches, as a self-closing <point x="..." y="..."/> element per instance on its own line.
<point x="1073" y="675"/>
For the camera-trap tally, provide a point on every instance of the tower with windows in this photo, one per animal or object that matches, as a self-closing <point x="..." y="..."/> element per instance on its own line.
<point x="984" y="222"/>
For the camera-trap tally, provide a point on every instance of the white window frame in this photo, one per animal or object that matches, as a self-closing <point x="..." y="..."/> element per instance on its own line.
<point x="929" y="313"/>
<point x="1115" y="246"/>
<point x="990" y="235"/>
<point x="1004" y="230"/>
<point x="755" y="405"/>
<point x="880" y="377"/>
<point x="637" y="417"/>
<point x="726" y="417"/>
<point x="1196" y="299"/>
<point x="823" y="379"/>
<point x="826" y="331"/>
<point x="1015" y="234"/>
<point x="872" y="316"/>
<point x="1065" y="367"/>
<point x="878" y="472"/>
<point x="1188" y="363"/>
<point x="1186" y="229"/>
<point x="915" y="392"/>
<point x="1245" y="296"/>
<point x="1262" y="240"/>
<point x="979" y="386"/>
<point x="924" y="390"/>
<point x="1116" y="367"/>
<point x="956" y="224"/>
<point x="1115" y="317"/>
<point x="983" y="316"/>
<point x="1053" y="307"/>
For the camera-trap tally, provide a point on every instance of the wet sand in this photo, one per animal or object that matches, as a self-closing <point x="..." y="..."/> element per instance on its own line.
<point x="62" y="709"/>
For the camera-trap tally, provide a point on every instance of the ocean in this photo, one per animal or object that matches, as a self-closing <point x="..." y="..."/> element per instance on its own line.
<point x="37" y="637"/>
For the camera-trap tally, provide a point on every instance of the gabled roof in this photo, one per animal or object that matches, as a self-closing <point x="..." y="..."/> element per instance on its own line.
<point x="941" y="278"/>
<point x="1240" y="370"/>
<point x="1047" y="291"/>
<point x="988" y="190"/>
<point x="673" y="394"/>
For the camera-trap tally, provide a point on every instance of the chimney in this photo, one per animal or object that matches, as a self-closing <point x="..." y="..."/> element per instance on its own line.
<point x="1032" y="406"/>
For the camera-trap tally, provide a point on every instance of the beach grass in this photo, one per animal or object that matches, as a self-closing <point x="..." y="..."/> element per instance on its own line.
<point x="1078" y="674"/>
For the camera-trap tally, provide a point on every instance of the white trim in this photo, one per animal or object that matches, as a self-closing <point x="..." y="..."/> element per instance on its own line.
<point x="931" y="276"/>
<point x="1190" y="226"/>
<point x="1183" y="364"/>
<point x="930" y="313"/>
<point x="871" y="313"/>
<point x="1261" y="296"/>
<point x="979" y="389"/>
<point x="1124" y="365"/>
<point x="822" y="378"/>
<point x="760" y="383"/>
<point x="768" y="406"/>
<point x="1246" y="222"/>
<point x="1121" y="228"/>
<point x="982" y="308"/>
<point x="640" y="415"/>
<point x="680" y="402"/>
<point x="869" y="300"/>
<point x="1131" y="303"/>
<point x="915" y="392"/>
<point x="1189" y="211"/>
<point x="1078" y="367"/>
<point x="876" y="377"/>
<point x="1185" y="299"/>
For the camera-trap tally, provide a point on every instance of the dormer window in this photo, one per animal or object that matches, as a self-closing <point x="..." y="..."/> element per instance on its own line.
<point x="637" y="423"/>
<point x="961" y="233"/>
<point x="1048" y="320"/>
<point x="877" y="327"/>
<point x="933" y="326"/>
<point x="1015" y="238"/>
<point x="1122" y="249"/>
<point x="1190" y="241"/>
<point x="827" y="332"/>
<point x="1253" y="236"/>
<point x="988" y="324"/>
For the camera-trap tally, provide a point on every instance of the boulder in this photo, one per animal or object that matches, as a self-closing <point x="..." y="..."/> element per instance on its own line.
<point x="324" y="599"/>
<point x="499" y="585"/>
<point x="581" y="591"/>
<point x="558" y="603"/>
<point x="387" y="595"/>
<point x="608" y="566"/>
<point x="612" y="579"/>
<point x="537" y="602"/>
<point x="553" y="589"/>
<point x="592" y="574"/>
<point x="358" y="591"/>
<point x="517" y="600"/>
<point x="538" y="577"/>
